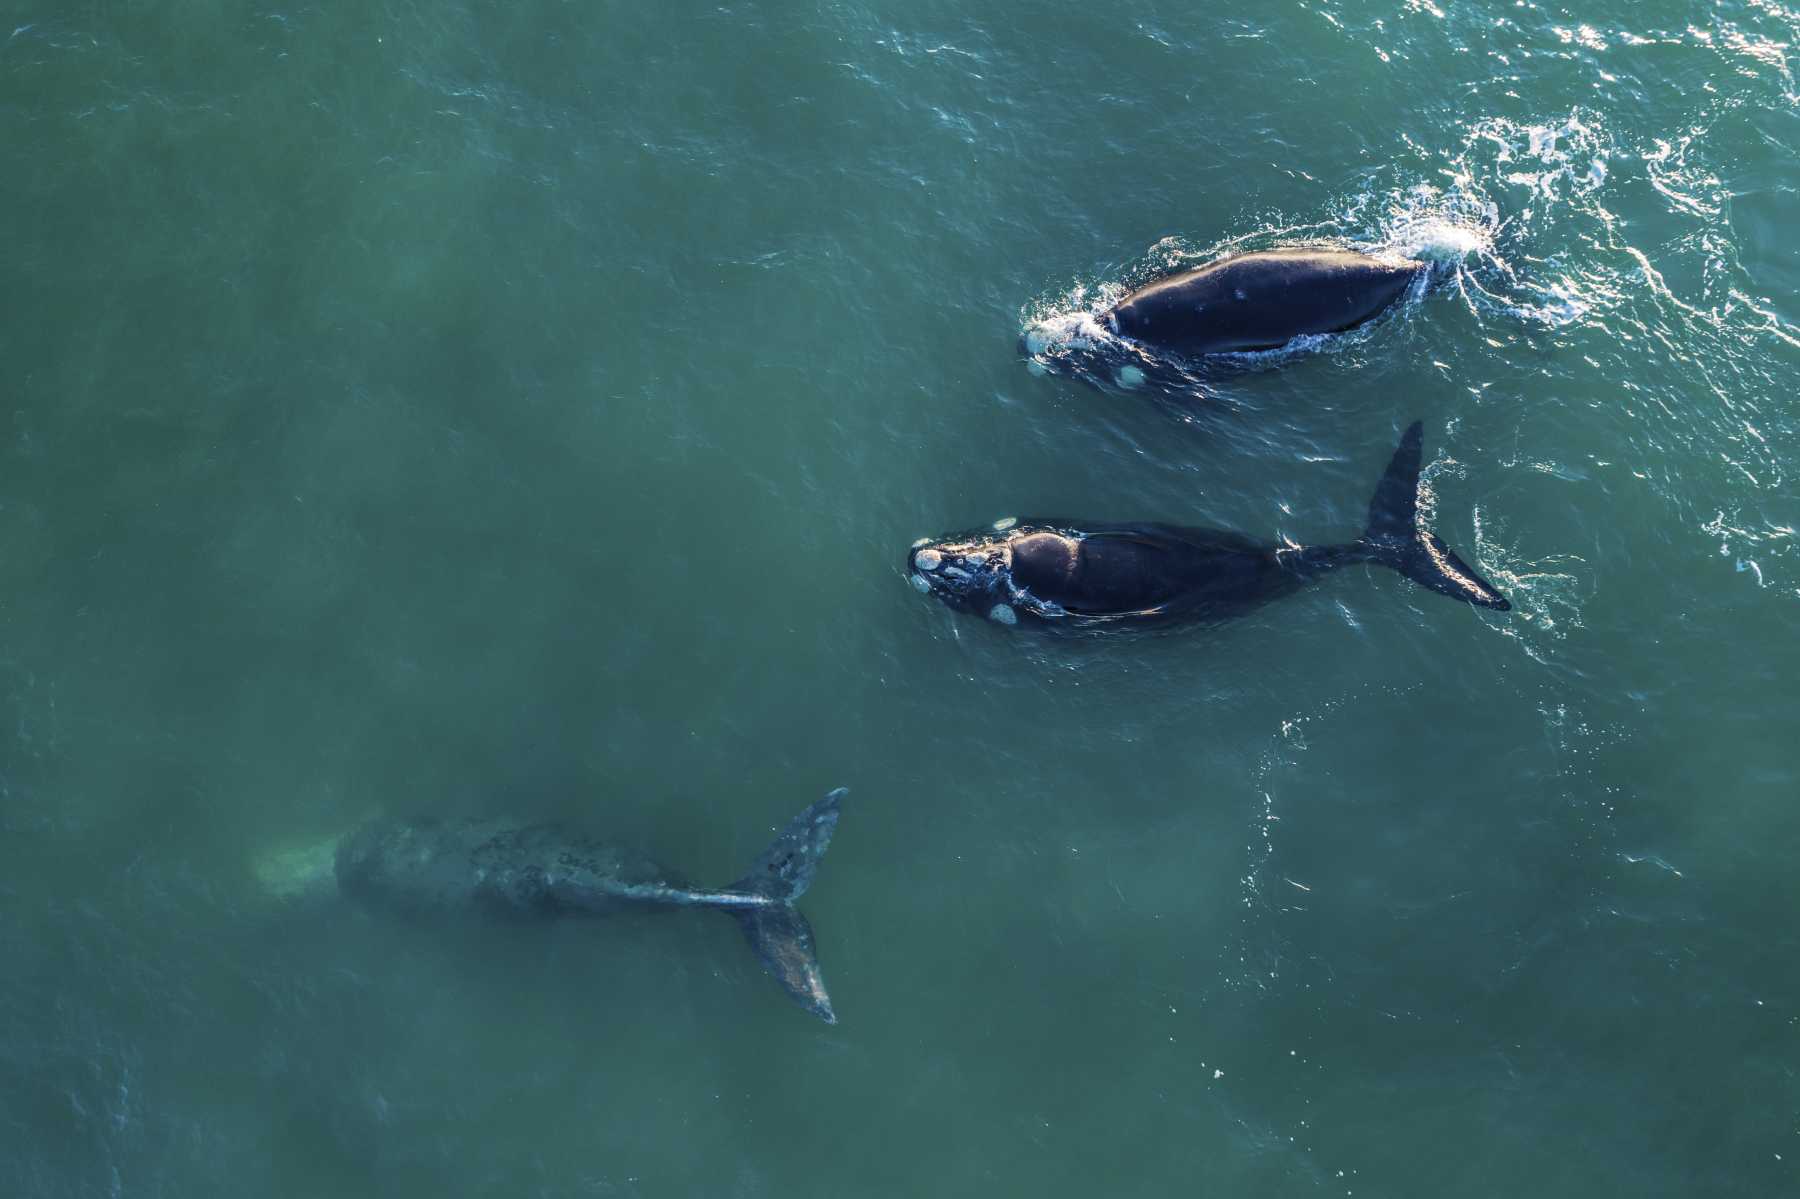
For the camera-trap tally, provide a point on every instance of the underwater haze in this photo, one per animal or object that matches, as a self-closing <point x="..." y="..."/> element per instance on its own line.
<point x="522" y="411"/>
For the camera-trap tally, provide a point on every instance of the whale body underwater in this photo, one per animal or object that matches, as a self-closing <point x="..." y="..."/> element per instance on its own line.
<point x="547" y="870"/>
<point x="1081" y="576"/>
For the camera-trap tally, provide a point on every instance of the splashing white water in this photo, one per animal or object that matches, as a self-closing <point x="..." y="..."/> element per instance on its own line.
<point x="1080" y="329"/>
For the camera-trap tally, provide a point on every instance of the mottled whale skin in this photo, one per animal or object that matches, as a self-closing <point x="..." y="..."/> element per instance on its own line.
<point x="544" y="870"/>
<point x="1082" y="576"/>
<point x="1262" y="300"/>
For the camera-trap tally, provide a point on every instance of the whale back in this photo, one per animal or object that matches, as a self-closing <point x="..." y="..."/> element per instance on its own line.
<point x="541" y="868"/>
<point x="1147" y="570"/>
<point x="1263" y="300"/>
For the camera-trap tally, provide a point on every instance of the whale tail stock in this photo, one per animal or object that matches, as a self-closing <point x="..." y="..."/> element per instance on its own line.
<point x="1395" y="540"/>
<point x="777" y="930"/>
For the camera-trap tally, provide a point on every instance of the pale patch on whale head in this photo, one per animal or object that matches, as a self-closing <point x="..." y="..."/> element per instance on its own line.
<point x="1003" y="614"/>
<point x="921" y="541"/>
<point x="298" y="871"/>
<point x="920" y="584"/>
<point x="1005" y="523"/>
<point x="927" y="559"/>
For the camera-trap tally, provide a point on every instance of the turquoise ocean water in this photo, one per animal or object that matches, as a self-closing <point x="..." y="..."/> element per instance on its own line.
<point x="524" y="409"/>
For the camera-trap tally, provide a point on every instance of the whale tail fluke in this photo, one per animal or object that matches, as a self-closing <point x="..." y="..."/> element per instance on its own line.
<point x="785" y="869"/>
<point x="777" y="931"/>
<point x="1395" y="540"/>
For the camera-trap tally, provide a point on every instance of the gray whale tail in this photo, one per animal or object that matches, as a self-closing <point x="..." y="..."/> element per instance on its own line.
<point x="776" y="929"/>
<point x="1395" y="540"/>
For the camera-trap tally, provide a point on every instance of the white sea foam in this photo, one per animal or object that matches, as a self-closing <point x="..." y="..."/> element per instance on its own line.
<point x="1062" y="331"/>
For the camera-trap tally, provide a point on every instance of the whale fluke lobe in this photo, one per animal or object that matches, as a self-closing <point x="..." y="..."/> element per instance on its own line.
<point x="785" y="869"/>
<point x="776" y="930"/>
<point x="1395" y="540"/>
<point x="783" y="942"/>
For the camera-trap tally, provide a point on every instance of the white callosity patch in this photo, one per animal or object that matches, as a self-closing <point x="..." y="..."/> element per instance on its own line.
<point x="921" y="541"/>
<point x="1003" y="614"/>
<point x="1005" y="523"/>
<point x="927" y="559"/>
<point x="920" y="584"/>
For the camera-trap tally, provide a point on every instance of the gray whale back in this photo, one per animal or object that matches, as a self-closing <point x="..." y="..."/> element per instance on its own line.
<point x="540" y="868"/>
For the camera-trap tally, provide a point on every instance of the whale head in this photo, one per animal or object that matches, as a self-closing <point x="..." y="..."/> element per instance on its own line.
<point x="969" y="571"/>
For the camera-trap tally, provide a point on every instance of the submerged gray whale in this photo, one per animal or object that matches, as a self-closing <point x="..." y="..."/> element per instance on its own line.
<point x="1078" y="575"/>
<point x="547" y="870"/>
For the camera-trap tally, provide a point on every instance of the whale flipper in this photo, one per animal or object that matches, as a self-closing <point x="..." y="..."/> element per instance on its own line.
<point x="777" y="931"/>
<point x="1395" y="540"/>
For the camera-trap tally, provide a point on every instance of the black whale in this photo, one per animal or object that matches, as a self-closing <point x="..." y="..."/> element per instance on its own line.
<point x="1262" y="300"/>
<point x="1239" y="305"/>
<point x="1068" y="574"/>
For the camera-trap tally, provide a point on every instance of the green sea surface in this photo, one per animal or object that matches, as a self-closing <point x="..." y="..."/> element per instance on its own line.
<point x="523" y="410"/>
